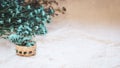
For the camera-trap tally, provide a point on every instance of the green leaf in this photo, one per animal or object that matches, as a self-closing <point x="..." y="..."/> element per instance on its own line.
<point x="17" y="11"/>
<point x="36" y="12"/>
<point x="27" y="38"/>
<point x="11" y="29"/>
<point x="1" y="22"/>
<point x="43" y="13"/>
<point x="3" y="15"/>
<point x="31" y="14"/>
<point x="28" y="7"/>
<point x="19" y="21"/>
<point x="9" y="20"/>
<point x="38" y="19"/>
<point x="27" y="27"/>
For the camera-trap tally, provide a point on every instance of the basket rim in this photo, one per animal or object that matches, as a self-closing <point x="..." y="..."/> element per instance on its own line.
<point x="25" y="46"/>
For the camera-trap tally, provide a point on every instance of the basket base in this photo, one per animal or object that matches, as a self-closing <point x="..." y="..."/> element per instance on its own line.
<point x="26" y="55"/>
<point x="25" y="51"/>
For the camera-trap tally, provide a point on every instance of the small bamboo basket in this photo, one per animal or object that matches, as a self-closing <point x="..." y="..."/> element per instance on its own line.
<point x="26" y="51"/>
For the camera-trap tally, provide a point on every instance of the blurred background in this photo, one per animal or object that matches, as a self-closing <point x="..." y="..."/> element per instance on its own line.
<point x="95" y="17"/>
<point x="94" y="10"/>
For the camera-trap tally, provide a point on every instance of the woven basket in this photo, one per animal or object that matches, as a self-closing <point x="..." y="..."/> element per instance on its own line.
<point x="25" y="51"/>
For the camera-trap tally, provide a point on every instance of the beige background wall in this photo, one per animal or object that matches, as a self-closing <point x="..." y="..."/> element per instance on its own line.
<point x="94" y="10"/>
<point x="98" y="18"/>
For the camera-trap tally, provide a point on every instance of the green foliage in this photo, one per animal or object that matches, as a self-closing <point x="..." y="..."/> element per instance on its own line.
<point x="21" y="40"/>
<point x="21" y="21"/>
<point x="52" y="6"/>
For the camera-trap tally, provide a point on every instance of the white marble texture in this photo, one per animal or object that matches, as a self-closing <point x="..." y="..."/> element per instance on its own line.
<point x="67" y="45"/>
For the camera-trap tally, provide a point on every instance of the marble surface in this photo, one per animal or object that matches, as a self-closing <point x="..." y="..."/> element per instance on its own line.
<point x="67" y="45"/>
<point x="83" y="38"/>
